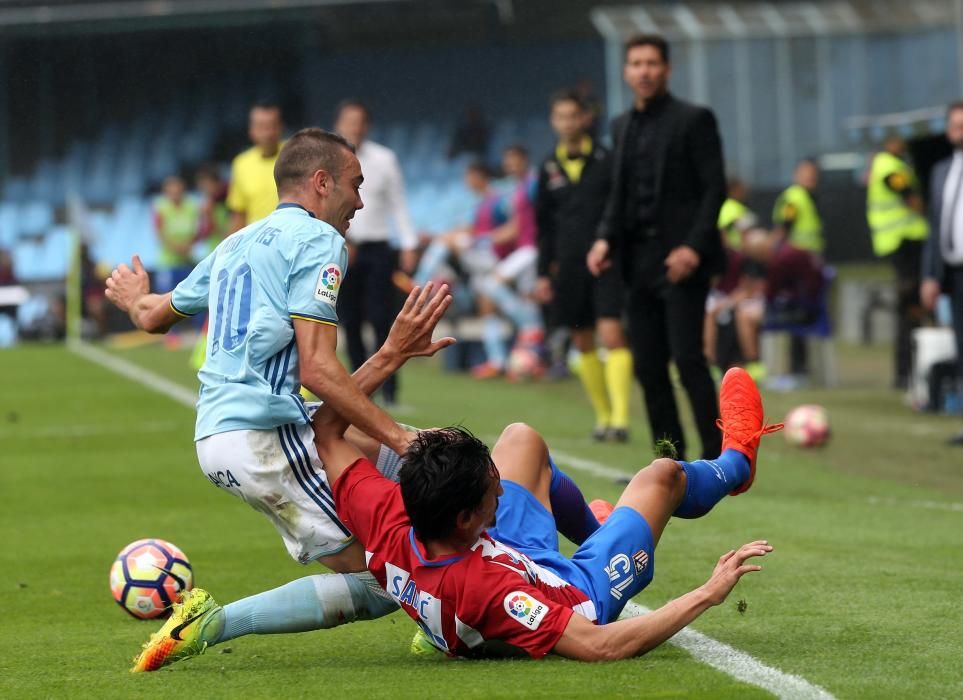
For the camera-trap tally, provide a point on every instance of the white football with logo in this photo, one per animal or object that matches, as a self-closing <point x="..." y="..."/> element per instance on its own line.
<point x="807" y="426"/>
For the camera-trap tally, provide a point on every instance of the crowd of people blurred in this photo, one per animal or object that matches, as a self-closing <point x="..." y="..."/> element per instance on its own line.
<point x="605" y="263"/>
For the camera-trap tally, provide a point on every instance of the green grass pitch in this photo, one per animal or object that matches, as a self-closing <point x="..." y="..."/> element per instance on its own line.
<point x="863" y="596"/>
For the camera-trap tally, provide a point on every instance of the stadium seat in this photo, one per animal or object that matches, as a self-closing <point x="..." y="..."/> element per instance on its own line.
<point x="35" y="218"/>
<point x="818" y="334"/>
<point x="9" y="224"/>
<point x="27" y="260"/>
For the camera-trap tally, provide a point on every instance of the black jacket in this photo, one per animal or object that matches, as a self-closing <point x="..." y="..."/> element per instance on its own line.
<point x="690" y="187"/>
<point x="567" y="212"/>
<point x="934" y="267"/>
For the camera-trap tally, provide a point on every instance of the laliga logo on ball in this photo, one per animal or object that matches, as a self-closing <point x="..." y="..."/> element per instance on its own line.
<point x="807" y="426"/>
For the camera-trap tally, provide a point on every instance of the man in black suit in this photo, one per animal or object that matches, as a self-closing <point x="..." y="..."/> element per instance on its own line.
<point x="660" y="227"/>
<point x="943" y="255"/>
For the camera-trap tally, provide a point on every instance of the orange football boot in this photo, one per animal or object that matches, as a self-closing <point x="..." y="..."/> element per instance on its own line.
<point x="742" y="421"/>
<point x="601" y="510"/>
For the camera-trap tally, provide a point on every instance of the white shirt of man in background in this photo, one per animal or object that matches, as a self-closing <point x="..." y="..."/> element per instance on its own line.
<point x="369" y="295"/>
<point x="384" y="188"/>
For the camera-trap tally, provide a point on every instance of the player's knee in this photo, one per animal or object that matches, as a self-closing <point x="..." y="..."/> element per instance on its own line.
<point x="520" y="433"/>
<point x="347" y="561"/>
<point x="663" y="473"/>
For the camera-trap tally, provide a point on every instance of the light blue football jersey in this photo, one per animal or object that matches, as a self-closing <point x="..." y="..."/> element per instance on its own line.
<point x="287" y="265"/>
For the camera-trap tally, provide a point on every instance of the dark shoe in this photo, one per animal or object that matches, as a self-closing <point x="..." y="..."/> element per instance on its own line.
<point x="620" y="435"/>
<point x="600" y="434"/>
<point x="955" y="441"/>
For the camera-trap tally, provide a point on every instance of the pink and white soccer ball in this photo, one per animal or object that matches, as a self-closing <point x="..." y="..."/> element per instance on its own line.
<point x="147" y="577"/>
<point x="524" y="363"/>
<point x="807" y="426"/>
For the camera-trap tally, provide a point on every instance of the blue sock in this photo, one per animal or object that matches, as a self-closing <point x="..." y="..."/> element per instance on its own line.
<point x="310" y="603"/>
<point x="709" y="481"/>
<point x="492" y="341"/>
<point x="573" y="518"/>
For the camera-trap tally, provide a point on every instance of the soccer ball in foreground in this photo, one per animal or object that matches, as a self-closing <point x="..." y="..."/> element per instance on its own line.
<point x="807" y="426"/>
<point x="148" y="575"/>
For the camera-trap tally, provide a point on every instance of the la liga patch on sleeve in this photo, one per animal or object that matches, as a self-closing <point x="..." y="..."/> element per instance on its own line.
<point x="525" y="609"/>
<point x="329" y="282"/>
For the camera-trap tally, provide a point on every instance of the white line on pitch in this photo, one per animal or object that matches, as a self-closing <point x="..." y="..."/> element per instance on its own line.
<point x="928" y="505"/>
<point x="135" y="373"/>
<point x="738" y="664"/>
<point x="720" y="656"/>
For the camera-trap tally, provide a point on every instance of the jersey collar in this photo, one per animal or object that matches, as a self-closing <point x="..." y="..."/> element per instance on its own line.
<point x="421" y="556"/>
<point x="295" y="205"/>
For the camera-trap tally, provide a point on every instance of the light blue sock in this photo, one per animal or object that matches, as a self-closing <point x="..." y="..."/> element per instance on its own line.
<point x="709" y="481"/>
<point x="523" y="312"/>
<point x="433" y="257"/>
<point x="310" y="603"/>
<point x="492" y="341"/>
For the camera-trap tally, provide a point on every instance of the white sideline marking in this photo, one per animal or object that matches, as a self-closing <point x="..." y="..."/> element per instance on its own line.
<point x="135" y="373"/>
<point x="722" y="657"/>
<point x="929" y="505"/>
<point x="738" y="664"/>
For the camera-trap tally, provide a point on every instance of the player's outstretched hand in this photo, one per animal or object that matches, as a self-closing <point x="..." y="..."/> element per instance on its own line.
<point x="127" y="284"/>
<point x="731" y="567"/>
<point x="410" y="335"/>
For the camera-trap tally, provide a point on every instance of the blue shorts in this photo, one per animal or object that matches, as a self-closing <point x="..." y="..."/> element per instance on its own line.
<point x="615" y="563"/>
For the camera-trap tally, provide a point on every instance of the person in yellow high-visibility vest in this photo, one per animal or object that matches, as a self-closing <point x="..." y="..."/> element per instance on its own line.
<point x="735" y="216"/>
<point x="796" y="218"/>
<point x="796" y="214"/>
<point x="894" y="210"/>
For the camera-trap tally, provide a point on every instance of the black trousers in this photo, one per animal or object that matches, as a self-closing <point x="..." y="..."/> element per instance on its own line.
<point x="954" y="289"/>
<point x="665" y="322"/>
<point x="906" y="261"/>
<point x="367" y="295"/>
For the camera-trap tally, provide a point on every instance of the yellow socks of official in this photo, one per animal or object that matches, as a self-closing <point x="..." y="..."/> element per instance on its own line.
<point x="590" y="371"/>
<point x="618" y="383"/>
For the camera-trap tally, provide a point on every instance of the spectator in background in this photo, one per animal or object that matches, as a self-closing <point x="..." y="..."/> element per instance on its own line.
<point x="176" y="218"/>
<point x="468" y="248"/>
<point x="943" y="256"/>
<point x="214" y="227"/>
<point x="508" y="287"/>
<point x="894" y="210"/>
<point x="585" y="89"/>
<point x="796" y="213"/>
<point x="735" y="285"/>
<point x="735" y="216"/>
<point x="471" y="135"/>
<point x="573" y="185"/>
<point x="92" y="279"/>
<point x="796" y="218"/>
<point x="252" y="194"/>
<point x="215" y="217"/>
<point x="791" y="292"/>
<point x="660" y="226"/>
<point x="367" y="291"/>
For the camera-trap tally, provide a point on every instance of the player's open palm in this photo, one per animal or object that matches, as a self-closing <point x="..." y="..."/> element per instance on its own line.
<point x="731" y="567"/>
<point x="127" y="284"/>
<point x="410" y="335"/>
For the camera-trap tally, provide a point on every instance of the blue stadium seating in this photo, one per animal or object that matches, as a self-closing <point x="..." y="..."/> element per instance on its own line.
<point x="112" y="173"/>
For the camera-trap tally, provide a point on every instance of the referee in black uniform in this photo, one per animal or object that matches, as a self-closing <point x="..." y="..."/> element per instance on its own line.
<point x="660" y="227"/>
<point x="573" y="186"/>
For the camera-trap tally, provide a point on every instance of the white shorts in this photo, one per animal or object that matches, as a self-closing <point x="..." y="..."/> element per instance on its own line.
<point x="278" y="473"/>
